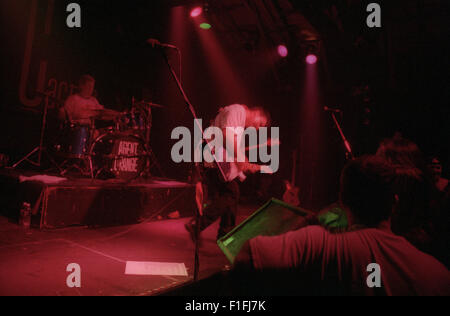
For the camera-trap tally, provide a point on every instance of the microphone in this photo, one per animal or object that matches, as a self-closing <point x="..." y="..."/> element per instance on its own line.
<point x="156" y="43"/>
<point x="328" y="109"/>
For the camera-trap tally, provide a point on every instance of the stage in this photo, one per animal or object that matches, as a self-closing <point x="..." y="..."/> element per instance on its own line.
<point x="58" y="202"/>
<point x="99" y="225"/>
<point x="34" y="262"/>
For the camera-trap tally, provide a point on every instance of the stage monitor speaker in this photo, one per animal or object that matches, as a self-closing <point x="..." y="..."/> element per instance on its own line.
<point x="274" y="218"/>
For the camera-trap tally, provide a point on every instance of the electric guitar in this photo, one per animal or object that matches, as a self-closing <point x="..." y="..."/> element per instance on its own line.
<point x="247" y="167"/>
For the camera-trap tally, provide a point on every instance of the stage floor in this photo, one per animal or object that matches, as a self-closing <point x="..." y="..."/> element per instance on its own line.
<point x="34" y="262"/>
<point x="58" y="202"/>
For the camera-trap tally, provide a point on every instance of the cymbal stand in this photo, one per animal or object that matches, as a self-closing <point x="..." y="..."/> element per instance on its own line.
<point x="152" y="160"/>
<point x="39" y="149"/>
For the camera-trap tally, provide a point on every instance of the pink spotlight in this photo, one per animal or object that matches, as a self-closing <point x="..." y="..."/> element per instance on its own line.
<point x="283" y="51"/>
<point x="311" y="59"/>
<point x="196" y="12"/>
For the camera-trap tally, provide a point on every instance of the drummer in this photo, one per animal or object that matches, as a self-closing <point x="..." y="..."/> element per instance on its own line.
<point x="80" y="108"/>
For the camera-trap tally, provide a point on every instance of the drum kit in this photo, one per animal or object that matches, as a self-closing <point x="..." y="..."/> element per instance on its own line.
<point x="114" y="146"/>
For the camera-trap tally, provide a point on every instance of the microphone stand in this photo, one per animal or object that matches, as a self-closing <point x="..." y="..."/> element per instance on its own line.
<point x="192" y="110"/>
<point x="348" y="147"/>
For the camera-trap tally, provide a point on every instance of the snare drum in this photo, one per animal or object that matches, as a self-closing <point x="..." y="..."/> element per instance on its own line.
<point x="119" y="155"/>
<point x="103" y="125"/>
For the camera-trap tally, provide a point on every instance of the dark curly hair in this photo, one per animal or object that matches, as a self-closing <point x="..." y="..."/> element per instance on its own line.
<point x="366" y="189"/>
<point x="400" y="151"/>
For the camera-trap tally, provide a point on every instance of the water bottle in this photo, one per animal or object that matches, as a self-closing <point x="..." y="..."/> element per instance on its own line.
<point x="25" y="215"/>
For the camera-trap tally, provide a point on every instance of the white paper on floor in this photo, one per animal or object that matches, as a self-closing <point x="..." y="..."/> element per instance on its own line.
<point x="42" y="178"/>
<point x="155" y="268"/>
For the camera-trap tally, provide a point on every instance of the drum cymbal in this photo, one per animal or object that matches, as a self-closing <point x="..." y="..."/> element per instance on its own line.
<point x="150" y="104"/>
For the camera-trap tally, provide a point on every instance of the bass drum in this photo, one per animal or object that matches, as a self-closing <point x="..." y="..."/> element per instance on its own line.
<point x="120" y="156"/>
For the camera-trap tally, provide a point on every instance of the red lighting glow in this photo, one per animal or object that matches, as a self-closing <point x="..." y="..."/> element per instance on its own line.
<point x="283" y="51"/>
<point x="196" y="12"/>
<point x="311" y="59"/>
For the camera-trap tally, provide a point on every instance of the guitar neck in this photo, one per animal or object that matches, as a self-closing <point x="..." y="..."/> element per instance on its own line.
<point x="259" y="146"/>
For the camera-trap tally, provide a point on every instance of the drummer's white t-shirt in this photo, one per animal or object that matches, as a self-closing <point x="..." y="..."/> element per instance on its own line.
<point x="77" y="108"/>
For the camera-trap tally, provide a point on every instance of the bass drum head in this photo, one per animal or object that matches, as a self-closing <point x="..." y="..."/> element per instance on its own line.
<point x="120" y="156"/>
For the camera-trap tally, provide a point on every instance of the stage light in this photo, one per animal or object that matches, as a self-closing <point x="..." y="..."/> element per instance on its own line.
<point x="311" y="59"/>
<point x="283" y="51"/>
<point x="205" y="26"/>
<point x="196" y="12"/>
